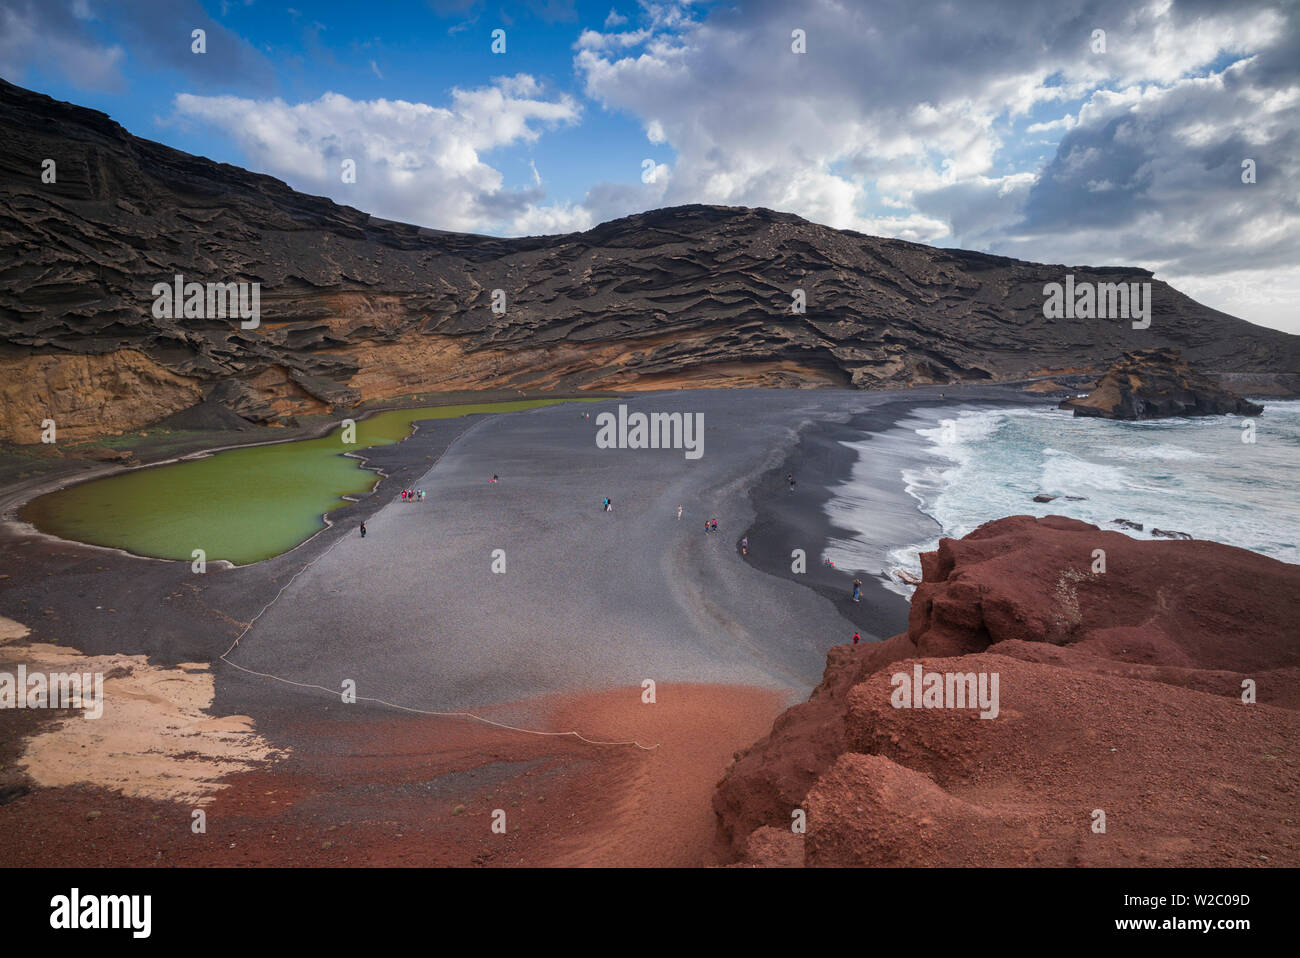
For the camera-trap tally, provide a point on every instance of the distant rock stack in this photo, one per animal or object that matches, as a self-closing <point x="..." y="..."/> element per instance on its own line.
<point x="1155" y="384"/>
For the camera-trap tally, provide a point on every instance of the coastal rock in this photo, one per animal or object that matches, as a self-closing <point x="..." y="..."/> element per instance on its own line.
<point x="1155" y="384"/>
<point x="1043" y="497"/>
<point x="355" y="308"/>
<point x="1112" y="686"/>
<point x="1128" y="524"/>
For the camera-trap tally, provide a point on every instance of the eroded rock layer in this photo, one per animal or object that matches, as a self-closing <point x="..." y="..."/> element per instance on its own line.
<point x="355" y="308"/>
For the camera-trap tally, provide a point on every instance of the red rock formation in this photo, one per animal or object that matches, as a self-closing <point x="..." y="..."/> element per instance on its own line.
<point x="1119" y="690"/>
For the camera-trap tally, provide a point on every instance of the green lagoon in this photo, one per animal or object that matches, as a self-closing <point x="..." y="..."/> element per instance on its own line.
<point x="241" y="505"/>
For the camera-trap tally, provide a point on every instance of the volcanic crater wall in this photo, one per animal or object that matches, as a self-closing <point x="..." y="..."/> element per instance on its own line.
<point x="355" y="308"/>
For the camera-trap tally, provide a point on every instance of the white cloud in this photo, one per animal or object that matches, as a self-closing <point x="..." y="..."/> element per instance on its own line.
<point x="880" y="115"/>
<point x="414" y="162"/>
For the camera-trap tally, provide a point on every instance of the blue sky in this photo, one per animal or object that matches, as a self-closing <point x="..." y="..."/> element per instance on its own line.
<point x="412" y="51"/>
<point x="998" y="125"/>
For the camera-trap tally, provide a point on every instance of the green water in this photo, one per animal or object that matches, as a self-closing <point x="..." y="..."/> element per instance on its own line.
<point x="242" y="504"/>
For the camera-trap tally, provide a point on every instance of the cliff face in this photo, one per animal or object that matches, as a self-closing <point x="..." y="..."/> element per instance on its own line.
<point x="1118" y="690"/>
<point x="354" y="308"/>
<point x="1156" y="383"/>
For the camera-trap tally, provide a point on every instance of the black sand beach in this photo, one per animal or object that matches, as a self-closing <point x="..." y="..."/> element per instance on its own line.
<point x="820" y="461"/>
<point x="590" y="600"/>
<point x="591" y="604"/>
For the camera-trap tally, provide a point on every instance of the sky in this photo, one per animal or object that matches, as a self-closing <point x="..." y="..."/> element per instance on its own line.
<point x="1078" y="132"/>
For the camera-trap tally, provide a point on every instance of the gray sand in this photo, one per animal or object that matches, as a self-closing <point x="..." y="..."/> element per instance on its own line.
<point x="414" y="614"/>
<point x="590" y="600"/>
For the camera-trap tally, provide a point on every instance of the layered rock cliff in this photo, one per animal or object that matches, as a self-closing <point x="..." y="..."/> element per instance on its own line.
<point x="1157" y="383"/>
<point x="1121" y="688"/>
<point x="355" y="308"/>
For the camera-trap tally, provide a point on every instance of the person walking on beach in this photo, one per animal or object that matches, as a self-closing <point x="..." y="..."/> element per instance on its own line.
<point x="363" y="530"/>
<point x="679" y="513"/>
<point x="857" y="590"/>
<point x="714" y="524"/>
<point x="856" y="638"/>
<point x="790" y="479"/>
<point x="744" y="546"/>
<point x="708" y="527"/>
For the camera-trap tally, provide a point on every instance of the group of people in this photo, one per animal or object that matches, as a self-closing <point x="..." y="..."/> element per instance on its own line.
<point x="411" y="495"/>
<point x="711" y="525"/>
<point x="607" y="504"/>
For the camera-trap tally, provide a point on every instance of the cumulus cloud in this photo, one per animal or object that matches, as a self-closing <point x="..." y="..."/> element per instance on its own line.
<point x="414" y="162"/>
<point x="920" y="124"/>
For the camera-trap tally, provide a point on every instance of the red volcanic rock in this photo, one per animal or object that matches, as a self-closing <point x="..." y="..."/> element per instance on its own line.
<point x="774" y="848"/>
<point x="1118" y="690"/>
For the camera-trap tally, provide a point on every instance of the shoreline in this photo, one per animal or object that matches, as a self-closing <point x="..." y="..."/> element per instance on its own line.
<point x="800" y="519"/>
<point x="18" y="497"/>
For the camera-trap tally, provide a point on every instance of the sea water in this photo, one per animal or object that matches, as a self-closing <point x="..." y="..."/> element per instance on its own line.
<point x="964" y="466"/>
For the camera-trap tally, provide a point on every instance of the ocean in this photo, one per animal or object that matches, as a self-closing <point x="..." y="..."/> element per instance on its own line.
<point x="964" y="466"/>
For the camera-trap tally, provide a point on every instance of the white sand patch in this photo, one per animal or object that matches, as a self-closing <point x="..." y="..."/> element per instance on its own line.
<point x="154" y="739"/>
<point x="11" y="631"/>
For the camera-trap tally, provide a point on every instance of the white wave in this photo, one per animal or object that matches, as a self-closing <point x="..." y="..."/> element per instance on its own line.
<point x="1166" y="452"/>
<point x="1190" y="475"/>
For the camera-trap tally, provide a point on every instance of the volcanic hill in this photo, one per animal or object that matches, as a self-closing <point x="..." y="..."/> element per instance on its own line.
<point x="354" y="308"/>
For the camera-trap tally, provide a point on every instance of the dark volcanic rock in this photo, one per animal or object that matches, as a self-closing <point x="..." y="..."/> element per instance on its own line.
<point x="1115" y="686"/>
<point x="207" y="416"/>
<point x="1157" y="383"/>
<point x="356" y="308"/>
